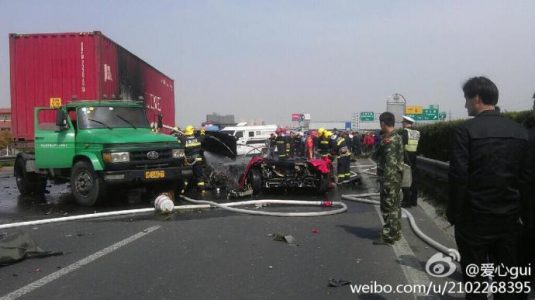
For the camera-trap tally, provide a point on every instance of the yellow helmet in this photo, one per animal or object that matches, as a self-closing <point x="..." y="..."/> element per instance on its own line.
<point x="188" y="130"/>
<point x="328" y="134"/>
<point x="321" y="131"/>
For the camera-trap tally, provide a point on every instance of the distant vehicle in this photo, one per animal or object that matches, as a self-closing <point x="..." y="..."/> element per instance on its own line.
<point x="250" y="139"/>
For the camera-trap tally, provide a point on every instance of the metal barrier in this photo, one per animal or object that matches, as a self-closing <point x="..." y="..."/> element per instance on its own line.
<point x="435" y="168"/>
<point x="10" y="159"/>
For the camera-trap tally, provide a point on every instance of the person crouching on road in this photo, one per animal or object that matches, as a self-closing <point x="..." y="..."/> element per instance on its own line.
<point x="389" y="157"/>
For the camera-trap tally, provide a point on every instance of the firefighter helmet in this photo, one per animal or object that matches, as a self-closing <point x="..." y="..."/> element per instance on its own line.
<point x="188" y="130"/>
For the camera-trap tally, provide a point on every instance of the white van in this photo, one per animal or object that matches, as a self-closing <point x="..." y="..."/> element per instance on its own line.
<point x="250" y="139"/>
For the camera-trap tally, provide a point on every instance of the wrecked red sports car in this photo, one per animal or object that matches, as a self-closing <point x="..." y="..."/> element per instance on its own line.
<point x="263" y="173"/>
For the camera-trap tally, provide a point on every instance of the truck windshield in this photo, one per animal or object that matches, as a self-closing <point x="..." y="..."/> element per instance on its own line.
<point x="111" y="117"/>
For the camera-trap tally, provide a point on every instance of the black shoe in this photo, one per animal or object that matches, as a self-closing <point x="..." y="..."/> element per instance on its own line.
<point x="380" y="241"/>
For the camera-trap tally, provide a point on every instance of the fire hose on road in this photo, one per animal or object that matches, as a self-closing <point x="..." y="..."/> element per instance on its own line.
<point x="227" y="206"/>
<point x="164" y="204"/>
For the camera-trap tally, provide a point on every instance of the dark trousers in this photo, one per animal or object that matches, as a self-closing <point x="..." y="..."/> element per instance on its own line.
<point x="410" y="195"/>
<point x="198" y="175"/>
<point x="483" y="241"/>
<point x="343" y="167"/>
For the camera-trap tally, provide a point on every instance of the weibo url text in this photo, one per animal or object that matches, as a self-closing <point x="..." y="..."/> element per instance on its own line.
<point x="446" y="288"/>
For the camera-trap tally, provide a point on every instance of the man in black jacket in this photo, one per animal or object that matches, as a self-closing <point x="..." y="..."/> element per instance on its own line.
<point x="487" y="178"/>
<point x="528" y="211"/>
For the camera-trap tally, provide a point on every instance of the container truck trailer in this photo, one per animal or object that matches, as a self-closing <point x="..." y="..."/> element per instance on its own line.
<point x="82" y="65"/>
<point x="102" y="142"/>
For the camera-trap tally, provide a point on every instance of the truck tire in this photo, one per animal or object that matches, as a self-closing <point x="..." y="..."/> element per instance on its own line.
<point x="28" y="183"/>
<point x="87" y="187"/>
<point x="255" y="180"/>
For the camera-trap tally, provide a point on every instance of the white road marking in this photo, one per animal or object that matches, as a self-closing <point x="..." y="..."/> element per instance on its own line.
<point x="407" y="261"/>
<point x="73" y="267"/>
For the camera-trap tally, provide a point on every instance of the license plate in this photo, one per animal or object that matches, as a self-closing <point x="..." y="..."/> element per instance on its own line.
<point x="154" y="174"/>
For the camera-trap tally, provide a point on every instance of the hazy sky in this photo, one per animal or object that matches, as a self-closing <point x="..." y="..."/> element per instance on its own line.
<point x="268" y="59"/>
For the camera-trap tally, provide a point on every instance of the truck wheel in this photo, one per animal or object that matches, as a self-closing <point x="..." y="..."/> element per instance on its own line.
<point x="255" y="180"/>
<point x="28" y="183"/>
<point x="21" y="176"/>
<point x="87" y="187"/>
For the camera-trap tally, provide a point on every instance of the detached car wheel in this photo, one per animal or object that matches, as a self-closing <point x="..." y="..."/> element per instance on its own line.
<point x="255" y="180"/>
<point x="87" y="187"/>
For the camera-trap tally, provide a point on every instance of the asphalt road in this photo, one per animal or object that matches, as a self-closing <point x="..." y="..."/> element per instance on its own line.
<point x="212" y="253"/>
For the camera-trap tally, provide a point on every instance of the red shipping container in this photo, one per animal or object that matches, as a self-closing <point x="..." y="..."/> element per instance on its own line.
<point x="84" y="66"/>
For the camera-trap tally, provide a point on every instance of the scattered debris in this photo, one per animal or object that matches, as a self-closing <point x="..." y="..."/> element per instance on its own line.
<point x="19" y="245"/>
<point x="289" y="239"/>
<point x="338" y="282"/>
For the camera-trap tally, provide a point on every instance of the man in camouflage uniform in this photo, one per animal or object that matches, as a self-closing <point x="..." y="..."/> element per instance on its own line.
<point x="389" y="157"/>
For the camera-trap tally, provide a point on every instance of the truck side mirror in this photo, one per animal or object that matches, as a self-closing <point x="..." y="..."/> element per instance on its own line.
<point x="160" y="121"/>
<point x="61" y="119"/>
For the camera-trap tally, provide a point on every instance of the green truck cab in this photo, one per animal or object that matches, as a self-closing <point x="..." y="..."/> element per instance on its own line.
<point x="98" y="146"/>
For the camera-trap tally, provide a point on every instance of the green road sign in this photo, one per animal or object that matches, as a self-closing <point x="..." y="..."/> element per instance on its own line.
<point x="367" y="116"/>
<point x="430" y="114"/>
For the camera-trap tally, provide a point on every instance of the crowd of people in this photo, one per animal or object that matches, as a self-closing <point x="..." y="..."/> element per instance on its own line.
<point x="310" y="143"/>
<point x="340" y="146"/>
